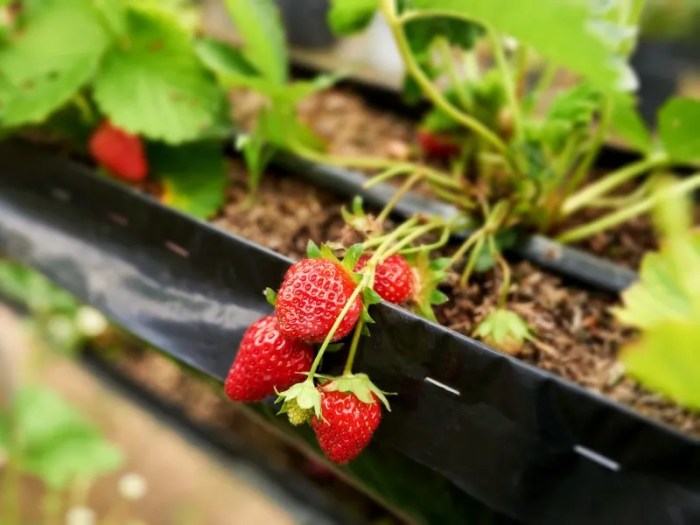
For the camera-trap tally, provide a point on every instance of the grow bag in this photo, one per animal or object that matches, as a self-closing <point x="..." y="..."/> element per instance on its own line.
<point x="470" y="428"/>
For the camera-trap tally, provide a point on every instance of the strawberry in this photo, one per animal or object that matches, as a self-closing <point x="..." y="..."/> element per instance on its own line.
<point x="437" y="145"/>
<point x="393" y="279"/>
<point x="266" y="360"/>
<point x="312" y="295"/>
<point x="347" y="424"/>
<point x="119" y="152"/>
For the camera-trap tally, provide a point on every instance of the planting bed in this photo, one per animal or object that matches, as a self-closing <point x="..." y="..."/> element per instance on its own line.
<point x="576" y="335"/>
<point x="526" y="425"/>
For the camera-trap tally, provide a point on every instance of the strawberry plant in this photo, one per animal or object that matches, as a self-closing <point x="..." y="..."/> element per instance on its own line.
<point x="261" y="64"/>
<point x="519" y="141"/>
<point x="665" y="307"/>
<point x="70" y="66"/>
<point x="516" y="140"/>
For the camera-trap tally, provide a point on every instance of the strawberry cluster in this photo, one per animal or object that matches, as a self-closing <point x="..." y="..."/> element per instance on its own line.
<point x="321" y="300"/>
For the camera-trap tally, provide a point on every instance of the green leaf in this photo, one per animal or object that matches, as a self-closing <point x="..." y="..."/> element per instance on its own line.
<point x="280" y="126"/>
<point x="571" y="111"/>
<point x="665" y="359"/>
<point x="669" y="285"/>
<point x="223" y="58"/>
<point x="56" y="443"/>
<point x="26" y="286"/>
<point x="257" y="154"/>
<point x="505" y="330"/>
<point x="678" y="129"/>
<point x="437" y="297"/>
<point x="560" y="31"/>
<point x="86" y="456"/>
<point x="4" y="431"/>
<point x="193" y="175"/>
<point x="422" y="33"/>
<point x="45" y="65"/>
<point x="114" y="13"/>
<point x="626" y="121"/>
<point x="259" y="24"/>
<point x="155" y="85"/>
<point x="350" y="16"/>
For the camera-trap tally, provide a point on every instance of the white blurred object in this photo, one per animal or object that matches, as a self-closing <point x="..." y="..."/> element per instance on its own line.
<point x="132" y="486"/>
<point x="90" y="322"/>
<point x="374" y="49"/>
<point x="80" y="516"/>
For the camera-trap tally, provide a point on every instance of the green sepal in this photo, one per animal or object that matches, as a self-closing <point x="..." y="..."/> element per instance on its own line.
<point x="370" y="297"/>
<point x="365" y="316"/>
<point x="360" y="385"/>
<point x="365" y="330"/>
<point x="312" y="250"/>
<point x="327" y="253"/>
<point x="430" y="274"/>
<point x="334" y="347"/>
<point x="305" y="394"/>
<point x="270" y="296"/>
<point x="352" y="255"/>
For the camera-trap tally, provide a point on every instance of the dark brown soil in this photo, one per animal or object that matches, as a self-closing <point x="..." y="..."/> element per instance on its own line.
<point x="576" y="337"/>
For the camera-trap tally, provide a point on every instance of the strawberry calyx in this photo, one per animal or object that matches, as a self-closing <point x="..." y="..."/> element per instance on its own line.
<point x="428" y="275"/>
<point x="304" y="395"/>
<point x="358" y="384"/>
<point x="360" y="221"/>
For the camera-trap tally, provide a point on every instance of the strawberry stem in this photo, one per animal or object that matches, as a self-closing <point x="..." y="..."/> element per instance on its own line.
<point x="353" y="347"/>
<point x="355" y="294"/>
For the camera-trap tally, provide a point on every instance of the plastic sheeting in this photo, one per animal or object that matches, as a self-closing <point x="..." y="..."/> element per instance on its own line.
<point x="521" y="441"/>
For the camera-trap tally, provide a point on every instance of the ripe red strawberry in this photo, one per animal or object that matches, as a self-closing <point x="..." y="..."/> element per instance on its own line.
<point x="393" y="279"/>
<point x="347" y="425"/>
<point x="311" y="298"/>
<point x="119" y="152"/>
<point x="266" y="360"/>
<point x="437" y="145"/>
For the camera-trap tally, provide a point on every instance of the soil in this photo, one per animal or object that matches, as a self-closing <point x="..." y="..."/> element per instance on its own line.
<point x="576" y="336"/>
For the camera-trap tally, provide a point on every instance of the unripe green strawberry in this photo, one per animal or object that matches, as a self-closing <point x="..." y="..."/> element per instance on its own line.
<point x="297" y="415"/>
<point x="393" y="278"/>
<point x="119" y="152"/>
<point x="267" y="362"/>
<point x="347" y="424"/>
<point x="311" y="298"/>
